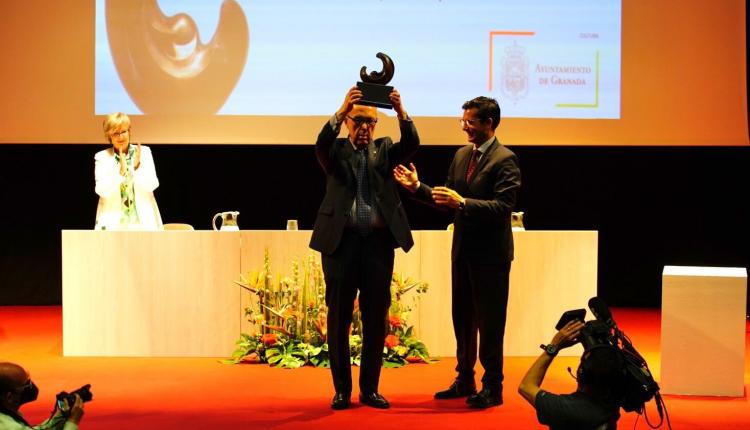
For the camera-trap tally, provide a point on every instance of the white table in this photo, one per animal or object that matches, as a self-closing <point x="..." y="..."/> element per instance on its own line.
<point x="171" y="293"/>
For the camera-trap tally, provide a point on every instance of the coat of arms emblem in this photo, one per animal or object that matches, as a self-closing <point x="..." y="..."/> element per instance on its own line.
<point x="514" y="72"/>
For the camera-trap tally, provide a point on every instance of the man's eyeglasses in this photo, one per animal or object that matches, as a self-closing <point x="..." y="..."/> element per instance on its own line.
<point x="26" y="385"/>
<point x="358" y="121"/>
<point x="471" y="122"/>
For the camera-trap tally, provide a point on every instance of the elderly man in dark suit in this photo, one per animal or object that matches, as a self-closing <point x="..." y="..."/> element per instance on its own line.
<point x="481" y="190"/>
<point x="359" y="223"/>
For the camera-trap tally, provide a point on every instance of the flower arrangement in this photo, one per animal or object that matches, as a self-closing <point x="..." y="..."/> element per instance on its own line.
<point x="289" y="315"/>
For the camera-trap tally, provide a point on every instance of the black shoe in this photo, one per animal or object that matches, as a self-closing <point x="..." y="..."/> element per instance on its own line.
<point x="374" y="399"/>
<point x="485" y="399"/>
<point x="457" y="390"/>
<point x="341" y="401"/>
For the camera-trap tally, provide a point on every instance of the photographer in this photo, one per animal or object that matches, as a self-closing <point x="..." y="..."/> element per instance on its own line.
<point x="17" y="389"/>
<point x="593" y="405"/>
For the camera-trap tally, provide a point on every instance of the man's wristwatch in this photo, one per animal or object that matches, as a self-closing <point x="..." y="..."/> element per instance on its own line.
<point x="550" y="349"/>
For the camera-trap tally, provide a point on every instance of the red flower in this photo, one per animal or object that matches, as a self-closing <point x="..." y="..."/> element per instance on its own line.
<point x="414" y="359"/>
<point x="251" y="358"/>
<point x="395" y="321"/>
<point x="269" y="339"/>
<point x="392" y="340"/>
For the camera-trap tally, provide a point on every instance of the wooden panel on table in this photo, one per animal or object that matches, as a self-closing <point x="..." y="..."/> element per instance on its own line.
<point x="433" y="322"/>
<point x="165" y="293"/>
<point x="553" y="271"/>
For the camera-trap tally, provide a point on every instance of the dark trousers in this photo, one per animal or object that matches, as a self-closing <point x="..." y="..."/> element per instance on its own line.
<point x="363" y="263"/>
<point x="480" y="300"/>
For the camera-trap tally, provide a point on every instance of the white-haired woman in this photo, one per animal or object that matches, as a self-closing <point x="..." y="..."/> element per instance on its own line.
<point x="125" y="181"/>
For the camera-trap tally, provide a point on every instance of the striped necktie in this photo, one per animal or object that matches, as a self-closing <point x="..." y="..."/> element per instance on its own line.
<point x="472" y="164"/>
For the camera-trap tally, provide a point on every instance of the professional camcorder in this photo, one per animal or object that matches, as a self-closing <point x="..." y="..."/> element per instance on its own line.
<point x="638" y="385"/>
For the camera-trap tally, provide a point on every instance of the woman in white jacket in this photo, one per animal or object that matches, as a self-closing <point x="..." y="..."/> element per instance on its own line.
<point x="125" y="181"/>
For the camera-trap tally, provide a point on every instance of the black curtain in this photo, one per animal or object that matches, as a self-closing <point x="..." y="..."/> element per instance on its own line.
<point x="651" y="206"/>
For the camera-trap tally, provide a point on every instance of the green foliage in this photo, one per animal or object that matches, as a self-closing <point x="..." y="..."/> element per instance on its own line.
<point x="319" y="356"/>
<point x="290" y="317"/>
<point x="287" y="355"/>
<point x="355" y="349"/>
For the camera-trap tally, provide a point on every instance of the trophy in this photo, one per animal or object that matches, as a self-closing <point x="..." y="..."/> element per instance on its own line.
<point x="375" y="92"/>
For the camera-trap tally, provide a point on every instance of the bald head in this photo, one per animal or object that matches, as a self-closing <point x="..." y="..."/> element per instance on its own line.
<point x="363" y="110"/>
<point x="12" y="376"/>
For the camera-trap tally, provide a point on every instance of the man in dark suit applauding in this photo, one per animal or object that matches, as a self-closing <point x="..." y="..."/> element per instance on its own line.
<point x="481" y="190"/>
<point x="359" y="223"/>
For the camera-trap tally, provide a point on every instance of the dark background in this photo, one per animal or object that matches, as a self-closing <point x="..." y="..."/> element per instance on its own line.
<point x="652" y="206"/>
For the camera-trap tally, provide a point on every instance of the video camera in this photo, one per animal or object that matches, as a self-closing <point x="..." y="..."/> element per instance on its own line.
<point x="84" y="393"/>
<point x="639" y="385"/>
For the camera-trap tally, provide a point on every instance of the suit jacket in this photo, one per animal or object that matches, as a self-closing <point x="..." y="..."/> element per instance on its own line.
<point x="482" y="230"/>
<point x="108" y="180"/>
<point x="335" y="156"/>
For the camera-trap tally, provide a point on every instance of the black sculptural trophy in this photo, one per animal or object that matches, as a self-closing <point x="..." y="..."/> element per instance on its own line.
<point x="375" y="92"/>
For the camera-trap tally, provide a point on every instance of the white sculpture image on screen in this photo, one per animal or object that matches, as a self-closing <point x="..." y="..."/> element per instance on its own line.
<point x="164" y="65"/>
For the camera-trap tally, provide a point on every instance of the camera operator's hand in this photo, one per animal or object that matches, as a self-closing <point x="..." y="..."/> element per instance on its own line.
<point x="75" y="413"/>
<point x="568" y="335"/>
<point x="532" y="381"/>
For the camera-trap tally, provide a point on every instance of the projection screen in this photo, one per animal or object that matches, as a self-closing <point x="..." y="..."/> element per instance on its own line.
<point x="566" y="72"/>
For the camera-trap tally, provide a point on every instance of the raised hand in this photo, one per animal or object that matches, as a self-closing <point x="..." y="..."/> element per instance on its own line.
<point x="397" y="105"/>
<point x="76" y="411"/>
<point x="352" y="97"/>
<point x="137" y="161"/>
<point x="122" y="156"/>
<point x="407" y="177"/>
<point x="568" y="335"/>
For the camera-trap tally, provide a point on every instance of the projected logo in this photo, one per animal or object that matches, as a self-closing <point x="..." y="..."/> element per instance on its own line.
<point x="162" y="62"/>
<point x="514" y="72"/>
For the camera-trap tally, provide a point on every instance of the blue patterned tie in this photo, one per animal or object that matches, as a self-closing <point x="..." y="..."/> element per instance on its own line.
<point x="364" y="210"/>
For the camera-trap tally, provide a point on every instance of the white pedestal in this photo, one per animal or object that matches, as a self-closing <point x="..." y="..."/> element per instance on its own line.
<point x="703" y="330"/>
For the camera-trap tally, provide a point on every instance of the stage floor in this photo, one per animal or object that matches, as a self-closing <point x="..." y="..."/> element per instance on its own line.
<point x="201" y="393"/>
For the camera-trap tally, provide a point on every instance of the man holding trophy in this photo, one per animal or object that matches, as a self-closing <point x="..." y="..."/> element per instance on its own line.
<point x="359" y="223"/>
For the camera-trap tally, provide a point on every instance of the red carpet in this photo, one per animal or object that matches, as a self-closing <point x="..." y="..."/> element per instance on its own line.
<point x="189" y="393"/>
